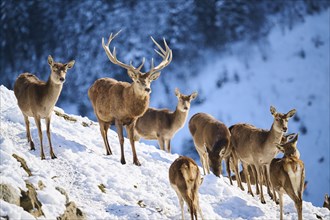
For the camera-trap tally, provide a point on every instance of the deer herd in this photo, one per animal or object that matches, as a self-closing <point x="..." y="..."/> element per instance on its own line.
<point x="127" y="104"/>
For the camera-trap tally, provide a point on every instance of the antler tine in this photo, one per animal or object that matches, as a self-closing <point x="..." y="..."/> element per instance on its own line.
<point x="159" y="47"/>
<point x="159" y="53"/>
<point x="140" y="67"/>
<point x="165" y="54"/>
<point x="152" y="63"/>
<point x="112" y="56"/>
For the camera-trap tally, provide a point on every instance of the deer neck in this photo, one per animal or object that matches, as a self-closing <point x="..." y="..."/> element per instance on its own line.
<point x="274" y="136"/>
<point x="179" y="118"/>
<point x="52" y="90"/>
<point x="140" y="102"/>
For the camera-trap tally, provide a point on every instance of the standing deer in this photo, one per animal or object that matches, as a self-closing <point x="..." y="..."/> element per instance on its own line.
<point x="254" y="146"/>
<point x="37" y="99"/>
<point x="211" y="138"/>
<point x="121" y="102"/>
<point x="162" y="124"/>
<point x="287" y="175"/>
<point x="251" y="169"/>
<point x="185" y="179"/>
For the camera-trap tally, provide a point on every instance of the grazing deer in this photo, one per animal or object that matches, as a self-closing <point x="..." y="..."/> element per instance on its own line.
<point x="37" y="99"/>
<point x="326" y="203"/>
<point x="162" y="124"/>
<point x="121" y="102"/>
<point x="185" y="179"/>
<point x="254" y="146"/>
<point x="287" y="175"/>
<point x="211" y="138"/>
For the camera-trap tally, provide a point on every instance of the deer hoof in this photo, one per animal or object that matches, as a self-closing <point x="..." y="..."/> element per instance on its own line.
<point x="122" y="161"/>
<point x="263" y="201"/>
<point x="43" y="157"/>
<point x="251" y="193"/>
<point x="32" y="145"/>
<point x="109" y="153"/>
<point x="54" y="157"/>
<point x="137" y="163"/>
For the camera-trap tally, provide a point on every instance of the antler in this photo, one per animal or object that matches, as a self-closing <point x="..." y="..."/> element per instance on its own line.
<point x="165" y="54"/>
<point x="113" y="58"/>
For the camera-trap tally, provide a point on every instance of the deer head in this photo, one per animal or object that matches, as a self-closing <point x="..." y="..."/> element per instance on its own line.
<point x="281" y="120"/>
<point x="58" y="70"/>
<point x="184" y="100"/>
<point x="141" y="81"/>
<point x="290" y="147"/>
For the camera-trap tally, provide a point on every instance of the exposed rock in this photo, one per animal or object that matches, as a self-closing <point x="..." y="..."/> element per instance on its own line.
<point x="9" y="194"/>
<point x="72" y="212"/>
<point x="23" y="164"/>
<point x="102" y="187"/>
<point x="29" y="201"/>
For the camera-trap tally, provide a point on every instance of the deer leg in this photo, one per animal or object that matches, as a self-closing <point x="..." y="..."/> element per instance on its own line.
<point x="28" y="133"/>
<point x="254" y="173"/>
<point x="297" y="200"/>
<point x="168" y="145"/>
<point x="237" y="174"/>
<point x="268" y="183"/>
<point x="130" y="133"/>
<point x="181" y="203"/>
<point x="260" y="179"/>
<point x="280" y="195"/>
<point x="38" y="123"/>
<point x="275" y="199"/>
<point x="247" y="177"/>
<point x="52" y="155"/>
<point x="119" y="127"/>
<point x="227" y="159"/>
<point x="298" y="205"/>
<point x="161" y="142"/>
<point x="104" y="130"/>
<point x="201" y="158"/>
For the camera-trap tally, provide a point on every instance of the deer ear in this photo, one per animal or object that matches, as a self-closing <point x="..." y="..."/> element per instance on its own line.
<point x="291" y="113"/>
<point x="273" y="110"/>
<point x="154" y="76"/>
<point x="50" y="60"/>
<point x="70" y="64"/>
<point x="177" y="92"/>
<point x="193" y="96"/>
<point x="132" y="75"/>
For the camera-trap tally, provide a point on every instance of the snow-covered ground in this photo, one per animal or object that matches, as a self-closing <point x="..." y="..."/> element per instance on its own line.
<point x="131" y="192"/>
<point x="290" y="71"/>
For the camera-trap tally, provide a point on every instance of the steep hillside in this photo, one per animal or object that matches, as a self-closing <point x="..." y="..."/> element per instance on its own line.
<point x="128" y="191"/>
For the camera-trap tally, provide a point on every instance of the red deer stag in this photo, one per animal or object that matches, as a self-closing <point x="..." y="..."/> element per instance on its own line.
<point x="287" y="175"/>
<point x="256" y="147"/>
<point x="211" y="138"/>
<point x="122" y="102"/>
<point x="37" y="99"/>
<point x="162" y="124"/>
<point x="185" y="179"/>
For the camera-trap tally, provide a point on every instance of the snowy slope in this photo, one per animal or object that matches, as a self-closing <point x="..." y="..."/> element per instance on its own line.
<point x="131" y="192"/>
<point x="291" y="71"/>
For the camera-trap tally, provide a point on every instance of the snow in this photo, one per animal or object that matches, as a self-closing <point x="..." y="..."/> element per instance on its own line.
<point x="131" y="192"/>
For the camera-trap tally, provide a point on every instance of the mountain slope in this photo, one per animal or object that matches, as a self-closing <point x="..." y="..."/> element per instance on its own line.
<point x="131" y="192"/>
